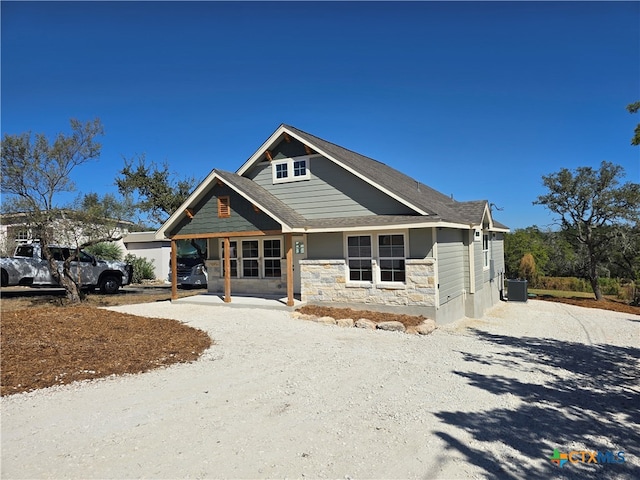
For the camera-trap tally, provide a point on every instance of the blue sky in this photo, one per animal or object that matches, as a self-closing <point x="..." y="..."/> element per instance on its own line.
<point x="475" y="99"/>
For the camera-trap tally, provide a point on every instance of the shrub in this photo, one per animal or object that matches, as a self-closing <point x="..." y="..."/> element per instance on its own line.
<point x="143" y="268"/>
<point x="527" y="269"/>
<point x="105" y="251"/>
<point x="609" y="286"/>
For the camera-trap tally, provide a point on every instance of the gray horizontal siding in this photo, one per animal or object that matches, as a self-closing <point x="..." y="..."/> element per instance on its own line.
<point x="325" y="246"/>
<point x="420" y="242"/>
<point x="497" y="252"/>
<point x="451" y="264"/>
<point x="330" y="192"/>
<point x="479" y="264"/>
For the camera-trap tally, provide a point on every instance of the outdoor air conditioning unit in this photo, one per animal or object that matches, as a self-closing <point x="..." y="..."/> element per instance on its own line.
<point x="517" y="291"/>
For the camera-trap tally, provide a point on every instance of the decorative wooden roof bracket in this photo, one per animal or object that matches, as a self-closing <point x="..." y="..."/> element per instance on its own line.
<point x="268" y="154"/>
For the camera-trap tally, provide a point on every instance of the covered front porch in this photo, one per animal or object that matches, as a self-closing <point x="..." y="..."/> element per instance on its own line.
<point x="259" y="263"/>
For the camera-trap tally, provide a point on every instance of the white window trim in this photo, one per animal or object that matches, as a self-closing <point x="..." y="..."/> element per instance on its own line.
<point x="378" y="258"/>
<point x="375" y="258"/>
<point x="486" y="253"/>
<point x="261" y="258"/>
<point x="290" y="173"/>
<point x="236" y="258"/>
<point x="263" y="263"/>
<point x="359" y="283"/>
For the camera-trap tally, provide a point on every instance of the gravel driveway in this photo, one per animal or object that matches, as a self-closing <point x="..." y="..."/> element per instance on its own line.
<point x="277" y="397"/>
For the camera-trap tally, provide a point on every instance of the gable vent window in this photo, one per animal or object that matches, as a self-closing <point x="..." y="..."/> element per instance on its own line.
<point x="291" y="169"/>
<point x="224" y="211"/>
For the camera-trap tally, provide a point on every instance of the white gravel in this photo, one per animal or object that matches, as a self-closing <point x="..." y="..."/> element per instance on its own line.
<point x="277" y="397"/>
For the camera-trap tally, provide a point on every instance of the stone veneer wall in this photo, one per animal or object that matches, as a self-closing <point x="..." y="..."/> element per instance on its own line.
<point x="325" y="281"/>
<point x="256" y="286"/>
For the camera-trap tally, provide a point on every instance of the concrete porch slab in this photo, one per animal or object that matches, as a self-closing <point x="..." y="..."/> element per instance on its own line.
<point x="239" y="301"/>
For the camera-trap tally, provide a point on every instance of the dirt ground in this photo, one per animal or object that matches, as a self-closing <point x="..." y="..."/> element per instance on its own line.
<point x="606" y="304"/>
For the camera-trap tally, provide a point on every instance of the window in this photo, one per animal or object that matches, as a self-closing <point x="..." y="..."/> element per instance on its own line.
<point x="291" y="169"/>
<point x="485" y="250"/>
<point x="377" y="258"/>
<point x="233" y="258"/>
<point x="299" y="168"/>
<point x="359" y="258"/>
<point x="224" y="210"/>
<point x="391" y="252"/>
<point x="250" y="266"/>
<point x="272" y="255"/>
<point x="281" y="170"/>
<point x="254" y="258"/>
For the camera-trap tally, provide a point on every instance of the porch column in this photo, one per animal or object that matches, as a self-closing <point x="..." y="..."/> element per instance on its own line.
<point x="227" y="270"/>
<point x="174" y="270"/>
<point x="288" y="245"/>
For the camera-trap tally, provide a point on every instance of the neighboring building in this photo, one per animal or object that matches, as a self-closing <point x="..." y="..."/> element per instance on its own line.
<point x="15" y="230"/>
<point x="157" y="251"/>
<point x="305" y="216"/>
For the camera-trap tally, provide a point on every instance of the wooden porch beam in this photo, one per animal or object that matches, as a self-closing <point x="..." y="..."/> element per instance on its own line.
<point x="227" y="270"/>
<point x="174" y="270"/>
<point x="288" y="242"/>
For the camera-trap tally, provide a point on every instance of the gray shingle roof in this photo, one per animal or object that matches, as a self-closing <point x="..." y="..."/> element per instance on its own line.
<point x="437" y="206"/>
<point x="263" y="198"/>
<point x="405" y="187"/>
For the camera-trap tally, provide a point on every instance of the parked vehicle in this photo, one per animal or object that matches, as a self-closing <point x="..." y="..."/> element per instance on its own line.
<point x="29" y="267"/>
<point x="192" y="271"/>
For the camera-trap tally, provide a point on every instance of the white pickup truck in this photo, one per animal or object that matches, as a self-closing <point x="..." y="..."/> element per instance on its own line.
<point x="29" y="267"/>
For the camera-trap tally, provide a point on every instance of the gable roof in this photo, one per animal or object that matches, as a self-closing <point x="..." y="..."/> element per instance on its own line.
<point x="431" y="206"/>
<point x="416" y="195"/>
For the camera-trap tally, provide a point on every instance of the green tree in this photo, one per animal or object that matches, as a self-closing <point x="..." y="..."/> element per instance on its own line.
<point x="524" y="241"/>
<point x="633" y="108"/>
<point x="589" y="202"/>
<point x="105" y="251"/>
<point x="157" y="192"/>
<point x="36" y="172"/>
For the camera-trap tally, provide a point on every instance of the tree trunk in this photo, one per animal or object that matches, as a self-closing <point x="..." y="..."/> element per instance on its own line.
<point x="71" y="288"/>
<point x="593" y="276"/>
<point x="64" y="278"/>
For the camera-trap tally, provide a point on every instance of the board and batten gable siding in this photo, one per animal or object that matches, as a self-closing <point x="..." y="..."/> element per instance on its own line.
<point x="451" y="263"/>
<point x="243" y="217"/>
<point x="330" y="192"/>
<point x="290" y="149"/>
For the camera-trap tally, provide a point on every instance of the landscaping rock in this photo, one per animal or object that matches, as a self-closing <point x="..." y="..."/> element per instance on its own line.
<point x="391" y="326"/>
<point x="426" y="327"/>
<point x="302" y="316"/>
<point x="326" y="320"/>
<point x="364" y="323"/>
<point x="345" y="322"/>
